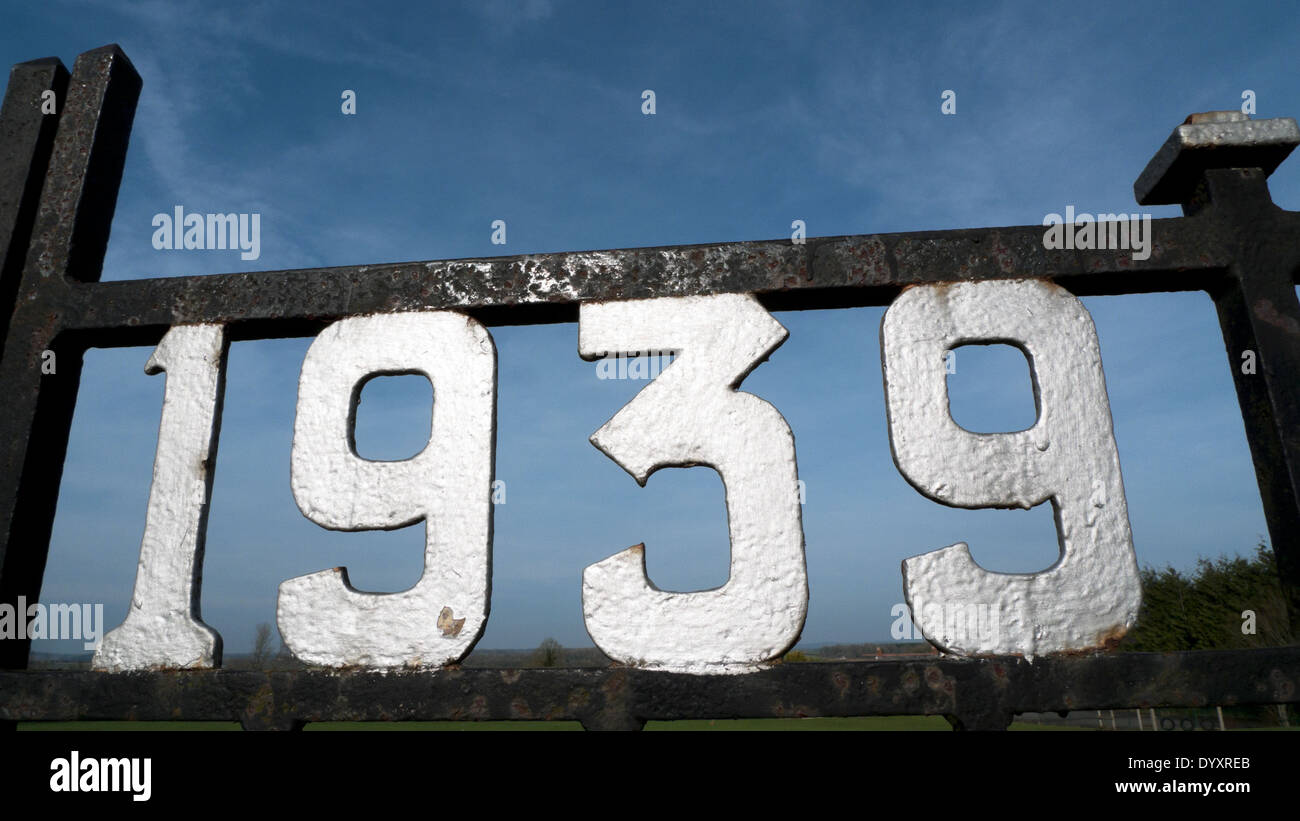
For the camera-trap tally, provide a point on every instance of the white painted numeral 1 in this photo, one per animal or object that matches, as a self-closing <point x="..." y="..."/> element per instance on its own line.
<point x="692" y="414"/>
<point x="163" y="628"/>
<point x="1090" y="596"/>
<point x="322" y="618"/>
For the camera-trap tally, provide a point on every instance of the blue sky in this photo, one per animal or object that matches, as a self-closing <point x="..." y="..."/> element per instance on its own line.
<point x="765" y="113"/>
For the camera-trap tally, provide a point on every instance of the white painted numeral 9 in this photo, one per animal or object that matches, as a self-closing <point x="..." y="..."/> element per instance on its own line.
<point x="163" y="628"/>
<point x="1091" y="594"/>
<point x="692" y="414"/>
<point x="322" y="618"/>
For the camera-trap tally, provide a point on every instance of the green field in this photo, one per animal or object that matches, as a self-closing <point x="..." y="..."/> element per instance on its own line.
<point x="889" y="723"/>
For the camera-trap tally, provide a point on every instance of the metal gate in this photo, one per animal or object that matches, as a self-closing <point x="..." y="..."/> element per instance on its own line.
<point x="59" y="178"/>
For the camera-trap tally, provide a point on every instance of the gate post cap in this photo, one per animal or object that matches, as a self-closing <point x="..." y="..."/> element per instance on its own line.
<point x="1213" y="139"/>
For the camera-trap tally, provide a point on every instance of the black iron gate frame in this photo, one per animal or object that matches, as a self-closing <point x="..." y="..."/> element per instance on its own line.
<point x="59" y="179"/>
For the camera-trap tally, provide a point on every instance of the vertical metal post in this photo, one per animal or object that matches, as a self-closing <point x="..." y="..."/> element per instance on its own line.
<point x="1258" y="312"/>
<point x="27" y="132"/>
<point x="68" y="240"/>
<point x="27" y="137"/>
<point x="1216" y="166"/>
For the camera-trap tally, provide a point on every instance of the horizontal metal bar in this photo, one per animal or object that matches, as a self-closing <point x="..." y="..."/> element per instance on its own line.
<point x="1186" y="254"/>
<point x="976" y="692"/>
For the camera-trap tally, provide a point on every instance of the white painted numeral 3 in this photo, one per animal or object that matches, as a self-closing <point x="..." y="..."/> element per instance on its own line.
<point x="692" y="414"/>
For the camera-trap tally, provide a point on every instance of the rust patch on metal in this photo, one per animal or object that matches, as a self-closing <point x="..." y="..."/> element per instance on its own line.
<point x="1283" y="687"/>
<point x="1001" y="253"/>
<point x="1000" y="677"/>
<point x="1265" y="310"/>
<point x="1110" y="639"/>
<point x="910" y="681"/>
<point x="449" y="625"/>
<point x="616" y="683"/>
<point x="478" y="708"/>
<point x="262" y="704"/>
<point x="578" y="699"/>
<point x="783" y="710"/>
<point x="936" y="680"/>
<point x="841" y="683"/>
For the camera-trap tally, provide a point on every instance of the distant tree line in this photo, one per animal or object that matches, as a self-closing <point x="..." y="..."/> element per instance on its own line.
<point x="1229" y="603"/>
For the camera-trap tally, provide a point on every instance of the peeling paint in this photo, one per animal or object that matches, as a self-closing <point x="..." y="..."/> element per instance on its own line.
<point x="448" y="624"/>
